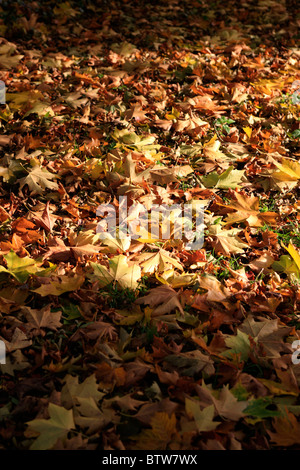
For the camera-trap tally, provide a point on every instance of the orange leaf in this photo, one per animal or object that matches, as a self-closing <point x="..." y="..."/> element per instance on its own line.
<point x="287" y="430"/>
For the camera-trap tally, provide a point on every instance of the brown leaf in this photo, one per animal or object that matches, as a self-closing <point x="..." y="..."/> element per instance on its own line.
<point x="247" y="209"/>
<point x="147" y="411"/>
<point x="163" y="431"/>
<point x="18" y="341"/>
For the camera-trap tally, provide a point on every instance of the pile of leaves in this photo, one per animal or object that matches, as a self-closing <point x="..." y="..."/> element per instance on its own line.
<point x="138" y="343"/>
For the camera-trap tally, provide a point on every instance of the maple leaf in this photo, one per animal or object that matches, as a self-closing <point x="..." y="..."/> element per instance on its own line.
<point x="260" y="408"/>
<point x="239" y="346"/>
<point x="58" y="285"/>
<point x="225" y="241"/>
<point x="203" y="418"/>
<point x="286" y="265"/>
<point x="19" y="340"/>
<point x="116" y="245"/>
<point x="163" y="431"/>
<point x="136" y="112"/>
<point x="226" y="404"/>
<point x="125" y="49"/>
<point x="38" y="179"/>
<point x="58" y="251"/>
<point x="191" y="150"/>
<point x="25" y="230"/>
<point x="88" y="416"/>
<point x="45" y="218"/>
<point x="148" y="410"/>
<point x="119" y="271"/>
<point x="216" y="292"/>
<point x="83" y="238"/>
<point x="10" y="172"/>
<point x="183" y="170"/>
<point x="262" y="263"/>
<point x="211" y="150"/>
<point x="40" y="108"/>
<point x="20" y="268"/>
<point x="280" y="388"/>
<point x="96" y="331"/>
<point x="130" y="317"/>
<point x="75" y="443"/>
<point x="294" y="254"/>
<point x="268" y="334"/>
<point x="72" y="391"/>
<point x="208" y="106"/>
<point x="15" y="361"/>
<point x="8" y="61"/>
<point x="20" y="100"/>
<point x="38" y="320"/>
<point x="191" y="363"/>
<point x="133" y="140"/>
<point x="287" y="175"/>
<point x="163" y="175"/>
<point x="171" y="278"/>
<point x="125" y="402"/>
<point x="160" y="260"/>
<point x="50" y="430"/>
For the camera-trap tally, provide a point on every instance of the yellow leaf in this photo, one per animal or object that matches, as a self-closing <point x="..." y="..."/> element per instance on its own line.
<point x="211" y="142"/>
<point x="57" y="285"/>
<point x="149" y="262"/>
<point x="172" y="279"/>
<point x="277" y="388"/>
<point x="20" y="268"/>
<point x="203" y="418"/>
<point x="294" y="254"/>
<point x="19" y="100"/>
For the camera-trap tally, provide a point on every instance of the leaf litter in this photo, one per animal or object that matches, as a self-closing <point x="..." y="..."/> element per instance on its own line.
<point x="120" y="343"/>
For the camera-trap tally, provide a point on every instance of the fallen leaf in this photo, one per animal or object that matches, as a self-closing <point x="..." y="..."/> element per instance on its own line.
<point x="119" y="271"/>
<point x="39" y="179"/>
<point x="231" y="178"/>
<point x="50" y="430"/>
<point x="58" y="285"/>
<point x="287" y="430"/>
<point x="203" y="418"/>
<point x="40" y="319"/>
<point x="163" y="298"/>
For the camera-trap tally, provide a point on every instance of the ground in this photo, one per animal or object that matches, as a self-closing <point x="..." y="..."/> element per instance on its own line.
<point x="142" y="342"/>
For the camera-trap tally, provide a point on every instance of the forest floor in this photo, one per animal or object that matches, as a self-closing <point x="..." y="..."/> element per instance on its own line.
<point x="141" y="342"/>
